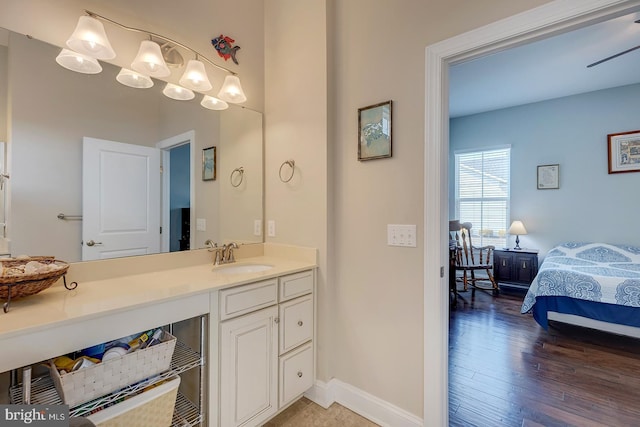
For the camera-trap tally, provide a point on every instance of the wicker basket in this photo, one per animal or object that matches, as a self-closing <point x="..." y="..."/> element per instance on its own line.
<point x="95" y="381"/>
<point x="21" y="285"/>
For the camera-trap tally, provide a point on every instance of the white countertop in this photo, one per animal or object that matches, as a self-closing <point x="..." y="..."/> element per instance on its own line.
<point x="58" y="306"/>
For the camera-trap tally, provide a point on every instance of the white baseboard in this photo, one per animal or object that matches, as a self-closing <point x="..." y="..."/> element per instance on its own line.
<point x="377" y="410"/>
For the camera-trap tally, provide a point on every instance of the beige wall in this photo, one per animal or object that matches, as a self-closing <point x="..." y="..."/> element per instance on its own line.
<point x="371" y="311"/>
<point x="296" y="128"/>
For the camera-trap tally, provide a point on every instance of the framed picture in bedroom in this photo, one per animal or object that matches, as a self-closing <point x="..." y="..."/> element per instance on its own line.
<point x="374" y="131"/>
<point x="624" y="152"/>
<point x="548" y="177"/>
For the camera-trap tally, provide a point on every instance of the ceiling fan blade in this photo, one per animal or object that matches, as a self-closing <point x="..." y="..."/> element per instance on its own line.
<point x="613" y="56"/>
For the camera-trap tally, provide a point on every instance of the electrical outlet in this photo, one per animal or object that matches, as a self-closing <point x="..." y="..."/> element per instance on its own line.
<point x="201" y="224"/>
<point x="401" y="235"/>
<point x="271" y="228"/>
<point x="257" y="227"/>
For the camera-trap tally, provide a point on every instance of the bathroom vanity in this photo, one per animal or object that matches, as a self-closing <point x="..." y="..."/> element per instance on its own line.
<point x="257" y="323"/>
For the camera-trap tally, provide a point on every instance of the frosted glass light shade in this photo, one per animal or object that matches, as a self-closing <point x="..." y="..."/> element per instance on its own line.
<point x="195" y="77"/>
<point x="78" y="62"/>
<point x="90" y="39"/>
<point x="213" y="103"/>
<point x="149" y="60"/>
<point x="231" y="90"/>
<point x="177" y="92"/>
<point x="132" y="79"/>
<point x="517" y="227"/>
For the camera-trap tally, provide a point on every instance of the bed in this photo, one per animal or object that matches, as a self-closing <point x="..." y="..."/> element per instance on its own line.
<point x="596" y="285"/>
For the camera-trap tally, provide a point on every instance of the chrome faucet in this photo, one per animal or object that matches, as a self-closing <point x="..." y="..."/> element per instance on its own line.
<point x="222" y="254"/>
<point x="218" y="252"/>
<point x="227" y="252"/>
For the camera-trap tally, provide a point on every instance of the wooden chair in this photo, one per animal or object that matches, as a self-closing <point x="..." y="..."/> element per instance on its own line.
<point x="465" y="260"/>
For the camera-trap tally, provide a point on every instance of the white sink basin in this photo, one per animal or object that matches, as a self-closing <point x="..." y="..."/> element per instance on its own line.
<point x="242" y="268"/>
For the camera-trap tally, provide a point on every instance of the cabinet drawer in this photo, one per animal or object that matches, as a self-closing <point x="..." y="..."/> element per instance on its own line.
<point x="296" y="373"/>
<point x="295" y="285"/>
<point x="247" y="298"/>
<point x="296" y="322"/>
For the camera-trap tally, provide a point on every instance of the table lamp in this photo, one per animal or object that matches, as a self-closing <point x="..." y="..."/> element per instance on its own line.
<point x="517" y="228"/>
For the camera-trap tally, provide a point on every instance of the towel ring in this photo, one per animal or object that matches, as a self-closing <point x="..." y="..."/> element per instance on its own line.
<point x="240" y="171"/>
<point x="292" y="165"/>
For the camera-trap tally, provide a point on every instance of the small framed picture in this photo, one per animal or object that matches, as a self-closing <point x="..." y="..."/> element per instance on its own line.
<point x="548" y="177"/>
<point x="209" y="164"/>
<point x="624" y="152"/>
<point x="374" y="131"/>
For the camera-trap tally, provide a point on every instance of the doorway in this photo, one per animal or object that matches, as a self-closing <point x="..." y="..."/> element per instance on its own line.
<point x="548" y="19"/>
<point x="178" y="192"/>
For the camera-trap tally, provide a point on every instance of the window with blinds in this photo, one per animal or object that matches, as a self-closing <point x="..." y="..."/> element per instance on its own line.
<point x="482" y="194"/>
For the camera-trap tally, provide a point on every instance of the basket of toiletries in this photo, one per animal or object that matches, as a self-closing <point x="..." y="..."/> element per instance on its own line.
<point x="28" y="275"/>
<point x="154" y="406"/>
<point x="105" y="368"/>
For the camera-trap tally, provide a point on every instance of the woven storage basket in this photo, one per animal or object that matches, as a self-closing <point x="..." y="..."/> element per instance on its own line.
<point x="95" y="381"/>
<point x="153" y="407"/>
<point x="22" y="285"/>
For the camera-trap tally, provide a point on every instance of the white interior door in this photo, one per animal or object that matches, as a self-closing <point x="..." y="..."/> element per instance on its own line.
<point x="120" y="199"/>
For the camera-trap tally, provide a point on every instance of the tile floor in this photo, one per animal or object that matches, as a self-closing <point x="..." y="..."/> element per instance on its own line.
<point x="305" y="413"/>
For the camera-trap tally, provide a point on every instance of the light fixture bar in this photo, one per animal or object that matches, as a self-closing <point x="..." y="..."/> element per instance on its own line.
<point x="167" y="39"/>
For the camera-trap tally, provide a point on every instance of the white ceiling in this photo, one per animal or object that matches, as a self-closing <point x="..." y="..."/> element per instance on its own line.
<point x="547" y="69"/>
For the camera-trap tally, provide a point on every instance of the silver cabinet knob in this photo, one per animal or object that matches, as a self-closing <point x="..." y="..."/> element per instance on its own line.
<point x="92" y="243"/>
<point x="300" y="323"/>
<point x="299" y="374"/>
<point x="277" y="320"/>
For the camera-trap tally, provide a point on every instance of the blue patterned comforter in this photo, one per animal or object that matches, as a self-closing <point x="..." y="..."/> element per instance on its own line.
<point x="589" y="271"/>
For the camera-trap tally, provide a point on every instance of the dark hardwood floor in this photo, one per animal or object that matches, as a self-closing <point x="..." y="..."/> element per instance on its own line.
<point x="504" y="370"/>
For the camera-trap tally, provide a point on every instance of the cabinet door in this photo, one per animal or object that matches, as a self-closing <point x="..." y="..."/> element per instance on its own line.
<point x="525" y="269"/>
<point x="502" y="266"/>
<point x="249" y="368"/>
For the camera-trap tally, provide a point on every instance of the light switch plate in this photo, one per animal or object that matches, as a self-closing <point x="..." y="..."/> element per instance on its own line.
<point x="401" y="235"/>
<point x="271" y="228"/>
<point x="257" y="227"/>
<point x="201" y="224"/>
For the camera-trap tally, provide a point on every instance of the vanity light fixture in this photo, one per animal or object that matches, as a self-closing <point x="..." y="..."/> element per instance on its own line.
<point x="231" y="90"/>
<point x="195" y="77"/>
<point x="177" y="92"/>
<point x="78" y="62"/>
<point x="149" y="60"/>
<point x="153" y="60"/>
<point x="213" y="103"/>
<point x="132" y="79"/>
<point x="89" y="38"/>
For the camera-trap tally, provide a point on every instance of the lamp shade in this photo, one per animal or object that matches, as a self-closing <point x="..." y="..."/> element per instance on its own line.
<point x="231" y="90"/>
<point x="132" y="79"/>
<point x="178" y="93"/>
<point x="213" y="103"/>
<point x="78" y="62"/>
<point x="517" y="227"/>
<point x="149" y="60"/>
<point x="89" y="38"/>
<point x="195" y="76"/>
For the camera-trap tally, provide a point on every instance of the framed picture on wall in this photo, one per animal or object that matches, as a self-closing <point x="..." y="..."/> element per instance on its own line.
<point x="548" y="178"/>
<point x="374" y="131"/>
<point x="624" y="152"/>
<point x="209" y="164"/>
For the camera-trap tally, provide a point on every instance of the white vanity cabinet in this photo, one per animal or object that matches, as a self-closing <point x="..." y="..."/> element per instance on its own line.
<point x="266" y="356"/>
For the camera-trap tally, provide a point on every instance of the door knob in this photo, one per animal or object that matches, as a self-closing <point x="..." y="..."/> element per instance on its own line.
<point x="92" y="243"/>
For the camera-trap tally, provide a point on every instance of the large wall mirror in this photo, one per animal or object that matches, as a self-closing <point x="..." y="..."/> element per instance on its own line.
<point x="47" y="113"/>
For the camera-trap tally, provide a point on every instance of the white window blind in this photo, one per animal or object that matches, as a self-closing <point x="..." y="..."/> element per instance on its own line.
<point x="482" y="194"/>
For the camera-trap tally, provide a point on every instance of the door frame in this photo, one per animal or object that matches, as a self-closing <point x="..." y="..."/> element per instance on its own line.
<point x="549" y="19"/>
<point x="165" y="146"/>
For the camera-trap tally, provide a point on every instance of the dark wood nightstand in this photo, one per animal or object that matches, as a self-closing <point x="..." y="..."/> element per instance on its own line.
<point x="515" y="268"/>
